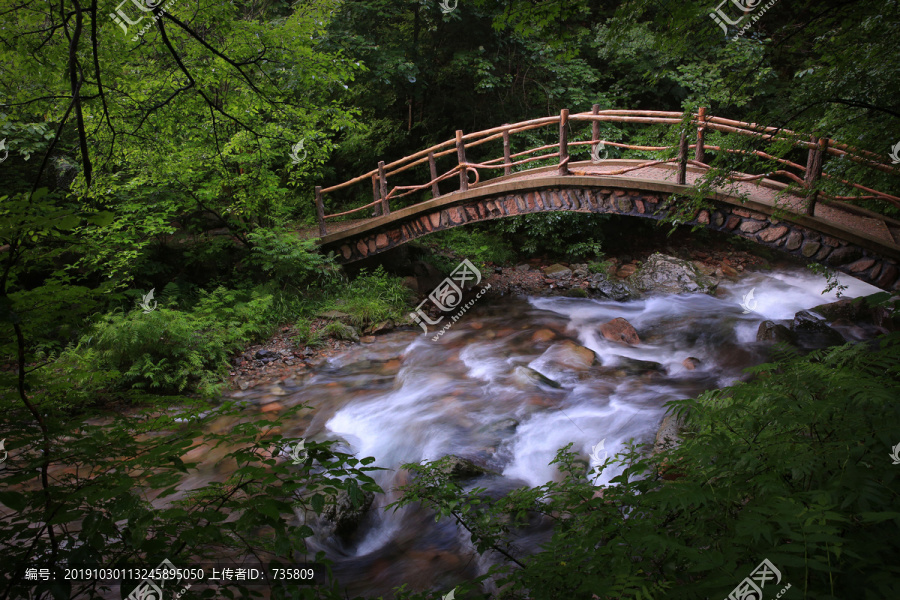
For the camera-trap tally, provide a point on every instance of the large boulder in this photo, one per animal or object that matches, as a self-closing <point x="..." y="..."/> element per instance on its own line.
<point x="852" y="309"/>
<point x="814" y="332"/>
<point x="460" y="468"/>
<point x="621" y="331"/>
<point x="670" y="275"/>
<point x="601" y="285"/>
<point x="770" y="331"/>
<point x="557" y="271"/>
<point x="341" y="517"/>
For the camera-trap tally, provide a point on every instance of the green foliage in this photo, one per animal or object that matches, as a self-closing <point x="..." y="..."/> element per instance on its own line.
<point x="793" y="466"/>
<point x="479" y="246"/>
<point x="562" y="235"/>
<point x="371" y="298"/>
<point x="306" y="336"/>
<point x="286" y="258"/>
<point x="607" y="267"/>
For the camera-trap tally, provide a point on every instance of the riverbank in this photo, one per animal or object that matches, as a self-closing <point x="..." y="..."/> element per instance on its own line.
<point x="281" y="358"/>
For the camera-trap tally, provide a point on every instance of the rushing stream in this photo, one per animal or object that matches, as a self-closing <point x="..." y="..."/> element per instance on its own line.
<point x="480" y="393"/>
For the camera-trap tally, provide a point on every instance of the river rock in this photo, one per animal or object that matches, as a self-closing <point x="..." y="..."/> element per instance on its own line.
<point x="461" y="468"/>
<point x="691" y="363"/>
<point x="600" y="284"/>
<point x="570" y="355"/>
<point x="770" y="331"/>
<point x="557" y="271"/>
<point x="620" y="330"/>
<point x="667" y="435"/>
<point x="811" y="331"/>
<point x="342" y="517"/>
<point x="670" y="275"/>
<point x="543" y="335"/>
<point x="526" y="376"/>
<point x="633" y="366"/>
<point x="846" y="308"/>
<point x="343" y="331"/>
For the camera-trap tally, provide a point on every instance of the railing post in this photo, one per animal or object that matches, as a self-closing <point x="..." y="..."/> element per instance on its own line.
<point x="595" y="129"/>
<point x="699" y="151"/>
<point x="563" y="142"/>
<point x="376" y="210"/>
<point x="507" y="170"/>
<point x="320" y="210"/>
<point x="432" y="167"/>
<point x="682" y="159"/>
<point x="385" y="209"/>
<point x="461" y="156"/>
<point x="814" y="172"/>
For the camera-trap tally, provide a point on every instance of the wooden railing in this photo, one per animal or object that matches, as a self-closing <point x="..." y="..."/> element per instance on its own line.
<point x="808" y="178"/>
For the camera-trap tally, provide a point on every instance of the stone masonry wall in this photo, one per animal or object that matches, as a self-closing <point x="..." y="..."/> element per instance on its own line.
<point x="781" y="235"/>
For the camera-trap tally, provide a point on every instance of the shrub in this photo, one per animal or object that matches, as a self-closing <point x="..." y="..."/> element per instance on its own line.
<point x="371" y="298"/>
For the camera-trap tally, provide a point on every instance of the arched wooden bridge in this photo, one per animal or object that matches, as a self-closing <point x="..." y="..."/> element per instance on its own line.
<point x="792" y="215"/>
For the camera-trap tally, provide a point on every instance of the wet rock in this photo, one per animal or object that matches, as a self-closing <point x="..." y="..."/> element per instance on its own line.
<point x="367" y="339"/>
<point x="570" y="355"/>
<point x="667" y="435"/>
<point x="620" y="330"/>
<point x="504" y="427"/>
<point x="670" y="275"/>
<point x="576" y="293"/>
<point x="264" y="354"/>
<point x="633" y="366"/>
<point x="847" y="308"/>
<point x="811" y="331"/>
<point x="600" y="284"/>
<point x="557" y="271"/>
<point x="382" y="327"/>
<point x="528" y="377"/>
<point x="461" y="468"/>
<point x="342" y="517"/>
<point x="769" y="331"/>
<point x="543" y="335"/>
<point x="691" y="363"/>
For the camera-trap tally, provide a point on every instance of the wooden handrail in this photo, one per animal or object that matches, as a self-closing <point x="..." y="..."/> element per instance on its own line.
<point x="811" y="172"/>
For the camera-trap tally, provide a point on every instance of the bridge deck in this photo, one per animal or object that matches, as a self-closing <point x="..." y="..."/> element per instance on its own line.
<point x="763" y="191"/>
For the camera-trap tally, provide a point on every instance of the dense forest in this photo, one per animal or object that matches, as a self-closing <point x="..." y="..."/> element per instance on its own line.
<point x="158" y="168"/>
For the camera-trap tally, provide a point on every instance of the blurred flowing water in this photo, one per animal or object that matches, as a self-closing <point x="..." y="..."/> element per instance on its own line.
<point x="480" y="393"/>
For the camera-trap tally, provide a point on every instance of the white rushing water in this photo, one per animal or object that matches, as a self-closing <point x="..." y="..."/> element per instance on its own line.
<point x="477" y="394"/>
